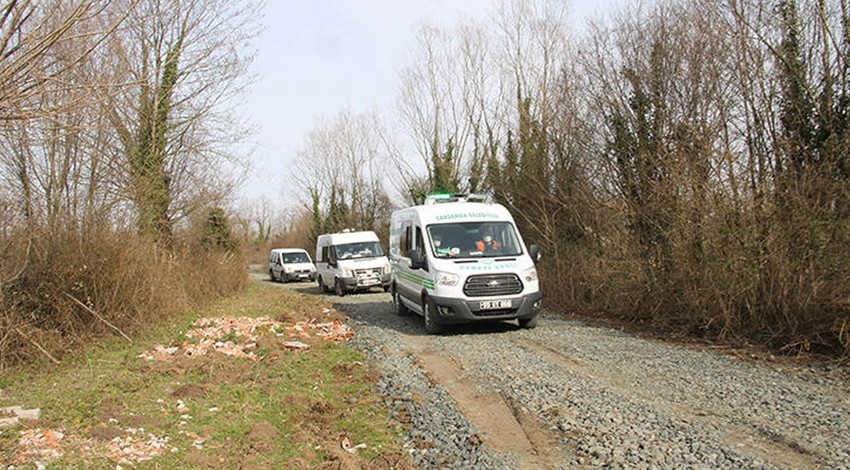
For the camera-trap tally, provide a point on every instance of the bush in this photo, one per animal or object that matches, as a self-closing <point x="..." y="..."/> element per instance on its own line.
<point x="120" y="278"/>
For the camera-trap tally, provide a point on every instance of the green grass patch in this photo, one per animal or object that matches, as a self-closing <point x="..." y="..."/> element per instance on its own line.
<point x="290" y="408"/>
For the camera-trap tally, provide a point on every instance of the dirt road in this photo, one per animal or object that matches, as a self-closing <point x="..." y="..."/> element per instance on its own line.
<point x="567" y="395"/>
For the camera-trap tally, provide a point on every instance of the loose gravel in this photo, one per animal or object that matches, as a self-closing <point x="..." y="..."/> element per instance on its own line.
<point x="612" y="400"/>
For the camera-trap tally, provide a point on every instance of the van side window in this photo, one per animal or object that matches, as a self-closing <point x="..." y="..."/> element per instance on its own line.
<point x="404" y="243"/>
<point x="324" y="254"/>
<point x="420" y="246"/>
<point x="420" y="242"/>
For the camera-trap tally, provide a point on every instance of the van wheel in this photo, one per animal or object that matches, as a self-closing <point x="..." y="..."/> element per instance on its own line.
<point x="339" y="288"/>
<point x="271" y="275"/>
<point x="430" y="311"/>
<point x="322" y="287"/>
<point x="528" y="323"/>
<point x="398" y="306"/>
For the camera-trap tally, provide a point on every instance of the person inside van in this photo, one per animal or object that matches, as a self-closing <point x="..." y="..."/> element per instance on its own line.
<point x="488" y="243"/>
<point x="440" y="248"/>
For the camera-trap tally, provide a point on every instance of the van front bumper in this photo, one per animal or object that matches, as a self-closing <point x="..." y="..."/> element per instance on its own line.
<point x="454" y="310"/>
<point x="358" y="283"/>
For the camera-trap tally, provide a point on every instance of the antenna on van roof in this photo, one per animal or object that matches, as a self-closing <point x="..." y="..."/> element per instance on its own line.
<point x="457" y="197"/>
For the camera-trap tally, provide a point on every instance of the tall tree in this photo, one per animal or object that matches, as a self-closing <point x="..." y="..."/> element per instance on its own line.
<point x="185" y="61"/>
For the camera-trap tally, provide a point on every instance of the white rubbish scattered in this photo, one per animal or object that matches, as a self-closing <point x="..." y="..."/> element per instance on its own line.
<point x="11" y="415"/>
<point x="346" y="445"/>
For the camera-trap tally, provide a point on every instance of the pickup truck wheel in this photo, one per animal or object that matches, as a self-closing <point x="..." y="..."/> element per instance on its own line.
<point x="528" y="323"/>
<point x="339" y="288"/>
<point x="398" y="306"/>
<point x="430" y="311"/>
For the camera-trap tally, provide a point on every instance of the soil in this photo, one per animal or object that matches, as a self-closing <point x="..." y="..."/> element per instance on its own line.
<point x="503" y="425"/>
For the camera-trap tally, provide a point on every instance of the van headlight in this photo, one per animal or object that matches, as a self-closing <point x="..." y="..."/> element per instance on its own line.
<point x="346" y="272"/>
<point x="447" y="279"/>
<point x="388" y="268"/>
<point x="530" y="274"/>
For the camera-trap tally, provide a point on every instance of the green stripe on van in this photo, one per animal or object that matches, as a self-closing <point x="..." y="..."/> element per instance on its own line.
<point x="422" y="281"/>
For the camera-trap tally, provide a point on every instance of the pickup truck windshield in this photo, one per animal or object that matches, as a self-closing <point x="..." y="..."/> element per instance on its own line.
<point x="474" y="240"/>
<point x="359" y="250"/>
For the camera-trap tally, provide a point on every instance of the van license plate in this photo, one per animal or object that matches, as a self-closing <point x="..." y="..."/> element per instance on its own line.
<point x="495" y="304"/>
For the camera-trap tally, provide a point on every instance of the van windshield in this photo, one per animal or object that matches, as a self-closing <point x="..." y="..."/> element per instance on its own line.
<point x="292" y="258"/>
<point x="474" y="240"/>
<point x="359" y="250"/>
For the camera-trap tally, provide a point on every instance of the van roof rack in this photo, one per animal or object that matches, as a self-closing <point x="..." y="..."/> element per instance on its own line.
<point x="456" y="197"/>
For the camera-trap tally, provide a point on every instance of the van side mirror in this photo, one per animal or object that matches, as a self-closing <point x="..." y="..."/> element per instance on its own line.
<point x="534" y="252"/>
<point x="417" y="261"/>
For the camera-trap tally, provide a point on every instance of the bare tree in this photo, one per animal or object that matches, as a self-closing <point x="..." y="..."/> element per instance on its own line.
<point x="30" y="35"/>
<point x="186" y="61"/>
<point x="341" y="168"/>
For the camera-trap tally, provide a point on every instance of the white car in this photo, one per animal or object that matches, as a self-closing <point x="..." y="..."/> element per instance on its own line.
<point x="291" y="264"/>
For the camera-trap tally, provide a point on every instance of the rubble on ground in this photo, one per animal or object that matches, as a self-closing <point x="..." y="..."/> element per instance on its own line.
<point x="12" y="415"/>
<point x="42" y="446"/>
<point x="238" y="337"/>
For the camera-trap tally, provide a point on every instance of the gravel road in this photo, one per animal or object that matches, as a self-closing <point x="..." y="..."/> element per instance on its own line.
<point x="568" y="395"/>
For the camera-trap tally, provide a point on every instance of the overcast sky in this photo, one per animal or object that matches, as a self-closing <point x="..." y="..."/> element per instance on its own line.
<point x="317" y="57"/>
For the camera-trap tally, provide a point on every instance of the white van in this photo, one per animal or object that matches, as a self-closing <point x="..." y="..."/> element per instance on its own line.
<point x="351" y="261"/>
<point x="458" y="259"/>
<point x="291" y="264"/>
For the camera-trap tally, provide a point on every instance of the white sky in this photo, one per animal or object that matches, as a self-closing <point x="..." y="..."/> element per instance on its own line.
<point x="317" y="57"/>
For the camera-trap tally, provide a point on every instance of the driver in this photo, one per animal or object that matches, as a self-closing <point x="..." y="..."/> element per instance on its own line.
<point x="439" y="248"/>
<point x="488" y="243"/>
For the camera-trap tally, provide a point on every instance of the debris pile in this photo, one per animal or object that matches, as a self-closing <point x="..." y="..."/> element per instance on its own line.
<point x="40" y="446"/>
<point x="331" y="331"/>
<point x="137" y="446"/>
<point x="238" y="336"/>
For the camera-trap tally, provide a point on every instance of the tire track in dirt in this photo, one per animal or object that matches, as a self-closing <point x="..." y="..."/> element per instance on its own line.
<point x="501" y="425"/>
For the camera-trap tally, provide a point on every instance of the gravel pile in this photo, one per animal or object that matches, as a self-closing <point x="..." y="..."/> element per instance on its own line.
<point x="610" y="399"/>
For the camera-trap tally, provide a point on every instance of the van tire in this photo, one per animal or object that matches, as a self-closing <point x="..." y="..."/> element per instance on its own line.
<point x="398" y="306"/>
<point x="429" y="311"/>
<point x="339" y="289"/>
<point x="271" y="275"/>
<point x="322" y="286"/>
<point x="528" y="323"/>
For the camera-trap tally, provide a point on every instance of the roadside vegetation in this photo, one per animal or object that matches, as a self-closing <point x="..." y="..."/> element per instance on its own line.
<point x="115" y="130"/>
<point x="269" y="392"/>
<point x="683" y="165"/>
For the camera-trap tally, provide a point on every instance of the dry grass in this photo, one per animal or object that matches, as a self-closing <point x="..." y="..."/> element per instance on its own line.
<point x="61" y="289"/>
<point x="774" y="276"/>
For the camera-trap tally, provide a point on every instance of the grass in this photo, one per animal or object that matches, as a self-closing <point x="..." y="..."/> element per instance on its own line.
<point x="292" y="409"/>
